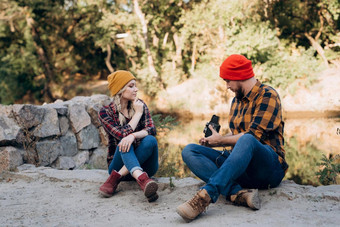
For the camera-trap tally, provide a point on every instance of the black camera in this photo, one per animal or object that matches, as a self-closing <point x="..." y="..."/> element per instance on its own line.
<point x="214" y="123"/>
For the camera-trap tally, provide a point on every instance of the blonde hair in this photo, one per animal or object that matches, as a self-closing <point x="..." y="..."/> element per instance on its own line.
<point x="116" y="100"/>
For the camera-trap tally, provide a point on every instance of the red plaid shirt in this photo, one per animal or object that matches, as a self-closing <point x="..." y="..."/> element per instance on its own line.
<point x="109" y="117"/>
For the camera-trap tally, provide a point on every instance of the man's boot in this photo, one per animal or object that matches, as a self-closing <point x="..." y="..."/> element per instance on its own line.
<point x="195" y="206"/>
<point x="148" y="186"/>
<point x="247" y="197"/>
<point x="110" y="185"/>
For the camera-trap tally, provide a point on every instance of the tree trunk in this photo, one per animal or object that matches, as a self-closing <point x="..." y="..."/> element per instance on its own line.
<point x="317" y="47"/>
<point x="143" y="22"/>
<point x="165" y="39"/>
<point x="178" y="44"/>
<point x="314" y="41"/>
<point x="193" y="56"/>
<point x="41" y="51"/>
<point x="108" y="58"/>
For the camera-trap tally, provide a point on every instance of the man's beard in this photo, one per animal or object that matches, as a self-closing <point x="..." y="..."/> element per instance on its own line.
<point x="239" y="93"/>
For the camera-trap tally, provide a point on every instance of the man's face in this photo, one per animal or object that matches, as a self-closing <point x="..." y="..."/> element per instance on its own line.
<point x="236" y="87"/>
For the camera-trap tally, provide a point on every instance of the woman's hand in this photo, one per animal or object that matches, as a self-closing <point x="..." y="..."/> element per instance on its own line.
<point x="138" y="106"/>
<point x="125" y="144"/>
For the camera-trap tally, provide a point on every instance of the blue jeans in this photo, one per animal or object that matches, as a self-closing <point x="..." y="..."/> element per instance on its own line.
<point x="144" y="157"/>
<point x="251" y="164"/>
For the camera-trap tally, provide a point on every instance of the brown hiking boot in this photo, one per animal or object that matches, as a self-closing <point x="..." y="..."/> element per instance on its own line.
<point x="247" y="197"/>
<point x="148" y="186"/>
<point x="195" y="206"/>
<point x="110" y="185"/>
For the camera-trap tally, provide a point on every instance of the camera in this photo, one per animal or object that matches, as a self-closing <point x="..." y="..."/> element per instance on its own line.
<point x="214" y="123"/>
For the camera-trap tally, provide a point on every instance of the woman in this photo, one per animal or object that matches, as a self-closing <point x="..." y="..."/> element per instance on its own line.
<point x="132" y="146"/>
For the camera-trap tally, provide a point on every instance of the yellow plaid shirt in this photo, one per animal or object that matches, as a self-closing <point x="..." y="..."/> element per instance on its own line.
<point x="259" y="114"/>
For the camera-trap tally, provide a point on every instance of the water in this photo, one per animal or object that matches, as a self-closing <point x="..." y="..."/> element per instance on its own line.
<point x="306" y="141"/>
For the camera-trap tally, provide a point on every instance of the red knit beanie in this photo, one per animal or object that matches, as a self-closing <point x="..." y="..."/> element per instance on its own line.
<point x="236" y="67"/>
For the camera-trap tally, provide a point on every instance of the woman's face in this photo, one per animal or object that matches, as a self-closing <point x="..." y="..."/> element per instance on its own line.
<point x="130" y="92"/>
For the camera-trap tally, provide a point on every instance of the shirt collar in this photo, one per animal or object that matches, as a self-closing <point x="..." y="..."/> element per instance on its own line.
<point x="251" y="94"/>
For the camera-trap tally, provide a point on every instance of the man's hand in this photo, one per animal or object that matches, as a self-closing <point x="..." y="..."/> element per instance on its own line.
<point x="212" y="141"/>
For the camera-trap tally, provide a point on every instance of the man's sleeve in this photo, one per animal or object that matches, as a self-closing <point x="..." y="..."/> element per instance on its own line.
<point x="267" y="115"/>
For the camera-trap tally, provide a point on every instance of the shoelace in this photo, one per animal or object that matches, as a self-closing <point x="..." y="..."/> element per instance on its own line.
<point x="198" y="203"/>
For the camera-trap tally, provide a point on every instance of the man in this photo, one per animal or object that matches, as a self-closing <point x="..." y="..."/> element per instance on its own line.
<point x="257" y="160"/>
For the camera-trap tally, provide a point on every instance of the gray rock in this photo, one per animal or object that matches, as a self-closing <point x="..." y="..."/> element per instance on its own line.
<point x="98" y="158"/>
<point x="10" y="158"/>
<point x="63" y="125"/>
<point x="48" y="151"/>
<point x="6" y="109"/>
<point x="65" y="163"/>
<point x="88" y="138"/>
<point x="9" y="129"/>
<point x="93" y="112"/>
<point x="49" y="126"/>
<point x="69" y="144"/>
<point x="26" y="167"/>
<point x="93" y="106"/>
<point x="28" y="115"/>
<point x="78" y="116"/>
<point x="104" y="139"/>
<point x="81" y="158"/>
<point x="81" y="100"/>
<point x="59" y="107"/>
<point x="100" y="99"/>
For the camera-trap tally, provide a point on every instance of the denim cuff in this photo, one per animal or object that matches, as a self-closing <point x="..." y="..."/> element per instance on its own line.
<point x="135" y="168"/>
<point x="213" y="195"/>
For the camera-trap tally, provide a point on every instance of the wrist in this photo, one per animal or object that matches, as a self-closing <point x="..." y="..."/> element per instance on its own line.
<point x="134" y="136"/>
<point x="138" y="114"/>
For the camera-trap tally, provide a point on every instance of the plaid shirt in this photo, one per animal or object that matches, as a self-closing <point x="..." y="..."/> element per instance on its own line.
<point x="259" y="114"/>
<point x="109" y="118"/>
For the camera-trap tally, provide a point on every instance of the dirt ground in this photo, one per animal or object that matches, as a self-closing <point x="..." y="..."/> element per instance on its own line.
<point x="48" y="197"/>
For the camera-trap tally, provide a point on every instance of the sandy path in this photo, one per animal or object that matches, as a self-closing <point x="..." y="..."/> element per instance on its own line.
<point x="49" y="197"/>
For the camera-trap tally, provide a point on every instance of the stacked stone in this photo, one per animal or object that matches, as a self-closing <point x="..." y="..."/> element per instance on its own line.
<point x="62" y="135"/>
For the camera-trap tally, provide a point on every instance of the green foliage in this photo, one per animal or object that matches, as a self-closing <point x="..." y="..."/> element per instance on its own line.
<point x="295" y="18"/>
<point x="330" y="170"/>
<point x="163" y="123"/>
<point x="303" y="161"/>
<point x="286" y="68"/>
<point x="186" y="39"/>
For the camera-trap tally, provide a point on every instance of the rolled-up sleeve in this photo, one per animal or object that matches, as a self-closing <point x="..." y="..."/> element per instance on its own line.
<point x="266" y="117"/>
<point x="111" y="124"/>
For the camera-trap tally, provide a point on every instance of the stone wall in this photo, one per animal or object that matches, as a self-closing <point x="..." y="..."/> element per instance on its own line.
<point x="62" y="135"/>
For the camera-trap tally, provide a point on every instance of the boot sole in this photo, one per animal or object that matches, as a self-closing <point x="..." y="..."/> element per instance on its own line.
<point x="183" y="215"/>
<point x="255" y="200"/>
<point x="105" y="195"/>
<point x="150" y="191"/>
<point x="153" y="198"/>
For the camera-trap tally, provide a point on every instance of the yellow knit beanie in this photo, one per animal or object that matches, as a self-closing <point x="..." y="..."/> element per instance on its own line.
<point x="118" y="80"/>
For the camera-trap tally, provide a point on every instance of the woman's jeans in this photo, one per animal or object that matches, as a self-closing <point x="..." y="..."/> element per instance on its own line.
<point x="144" y="158"/>
<point x="250" y="165"/>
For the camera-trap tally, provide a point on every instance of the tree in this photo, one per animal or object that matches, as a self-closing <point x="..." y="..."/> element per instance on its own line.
<point x="313" y="23"/>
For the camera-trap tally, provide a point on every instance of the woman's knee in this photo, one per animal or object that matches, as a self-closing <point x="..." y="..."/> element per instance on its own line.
<point x="151" y="140"/>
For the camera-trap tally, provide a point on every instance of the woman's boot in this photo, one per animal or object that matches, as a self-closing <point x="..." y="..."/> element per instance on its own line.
<point x="148" y="186"/>
<point x="110" y="185"/>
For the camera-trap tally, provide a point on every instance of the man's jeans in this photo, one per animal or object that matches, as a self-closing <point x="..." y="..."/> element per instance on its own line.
<point x="144" y="158"/>
<point x="249" y="165"/>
